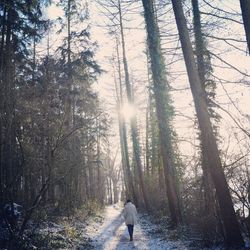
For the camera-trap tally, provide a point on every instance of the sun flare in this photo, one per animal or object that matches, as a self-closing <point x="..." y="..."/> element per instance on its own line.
<point x="128" y="111"/>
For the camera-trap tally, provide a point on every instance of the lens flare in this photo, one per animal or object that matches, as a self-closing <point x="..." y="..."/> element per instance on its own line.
<point x="128" y="111"/>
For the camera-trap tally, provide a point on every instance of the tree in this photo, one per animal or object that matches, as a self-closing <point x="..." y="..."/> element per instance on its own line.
<point x="230" y="223"/>
<point x="37" y="93"/>
<point x="163" y="109"/>
<point x="123" y="132"/>
<point x="154" y="166"/>
<point x="133" y="125"/>
<point x="245" y="9"/>
<point x="79" y="70"/>
<point x="20" y="23"/>
<point x="208" y="85"/>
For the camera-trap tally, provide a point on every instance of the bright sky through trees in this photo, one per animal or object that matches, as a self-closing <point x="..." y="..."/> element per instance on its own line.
<point x="128" y="111"/>
<point x="135" y="38"/>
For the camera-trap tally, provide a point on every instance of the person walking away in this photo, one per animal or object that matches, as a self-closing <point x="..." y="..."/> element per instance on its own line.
<point x="130" y="216"/>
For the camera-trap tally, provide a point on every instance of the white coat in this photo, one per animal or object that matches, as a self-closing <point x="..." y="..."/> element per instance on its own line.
<point x="130" y="214"/>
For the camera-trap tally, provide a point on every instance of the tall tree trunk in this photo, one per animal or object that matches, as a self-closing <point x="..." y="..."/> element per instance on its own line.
<point x="98" y="151"/>
<point x="111" y="191"/>
<point x="154" y="131"/>
<point x="85" y="176"/>
<point x="231" y="226"/>
<point x="68" y="113"/>
<point x="9" y="106"/>
<point x="47" y="170"/>
<point x="68" y="104"/>
<point x="115" y="189"/>
<point x="2" y="96"/>
<point x="123" y="135"/>
<point x="163" y="108"/>
<point x="199" y="43"/>
<point x="245" y="9"/>
<point x="34" y="59"/>
<point x="134" y="132"/>
<point x="125" y="157"/>
<point x="148" y="123"/>
<point x="200" y="49"/>
<point x="147" y="143"/>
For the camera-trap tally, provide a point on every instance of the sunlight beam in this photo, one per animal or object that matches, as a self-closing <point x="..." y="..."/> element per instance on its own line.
<point x="128" y="111"/>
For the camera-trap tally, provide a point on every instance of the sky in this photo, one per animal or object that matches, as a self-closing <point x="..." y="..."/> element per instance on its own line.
<point x="234" y="97"/>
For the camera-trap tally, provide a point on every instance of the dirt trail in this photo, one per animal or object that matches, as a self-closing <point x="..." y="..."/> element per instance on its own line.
<point x="112" y="234"/>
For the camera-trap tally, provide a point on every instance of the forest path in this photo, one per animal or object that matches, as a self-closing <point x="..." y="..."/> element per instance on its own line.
<point x="112" y="234"/>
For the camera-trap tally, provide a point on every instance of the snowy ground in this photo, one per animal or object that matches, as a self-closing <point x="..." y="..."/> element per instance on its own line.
<point x="112" y="234"/>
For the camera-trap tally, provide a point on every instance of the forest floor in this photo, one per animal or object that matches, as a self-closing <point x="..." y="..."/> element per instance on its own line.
<point x="106" y="230"/>
<point x="112" y="234"/>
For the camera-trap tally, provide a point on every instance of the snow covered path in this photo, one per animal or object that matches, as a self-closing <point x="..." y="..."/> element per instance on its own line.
<point x="113" y="235"/>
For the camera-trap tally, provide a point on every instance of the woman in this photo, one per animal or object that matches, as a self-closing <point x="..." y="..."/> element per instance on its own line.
<point x="130" y="216"/>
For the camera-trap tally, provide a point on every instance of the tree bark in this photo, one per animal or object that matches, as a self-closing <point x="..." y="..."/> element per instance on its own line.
<point x="147" y="161"/>
<point x="245" y="9"/>
<point x="68" y="103"/>
<point x="2" y="96"/>
<point x="123" y="134"/>
<point x="200" y="49"/>
<point x="8" y="80"/>
<point x="125" y="158"/>
<point x="199" y="43"/>
<point x="163" y="109"/>
<point x="231" y="226"/>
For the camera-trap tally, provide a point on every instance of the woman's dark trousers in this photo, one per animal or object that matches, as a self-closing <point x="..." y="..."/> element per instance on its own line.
<point x="130" y="231"/>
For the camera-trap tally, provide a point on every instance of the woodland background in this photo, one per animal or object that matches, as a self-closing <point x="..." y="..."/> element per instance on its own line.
<point x="96" y="106"/>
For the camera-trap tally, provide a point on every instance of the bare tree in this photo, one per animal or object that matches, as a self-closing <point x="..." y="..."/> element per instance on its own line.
<point x="231" y="226"/>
